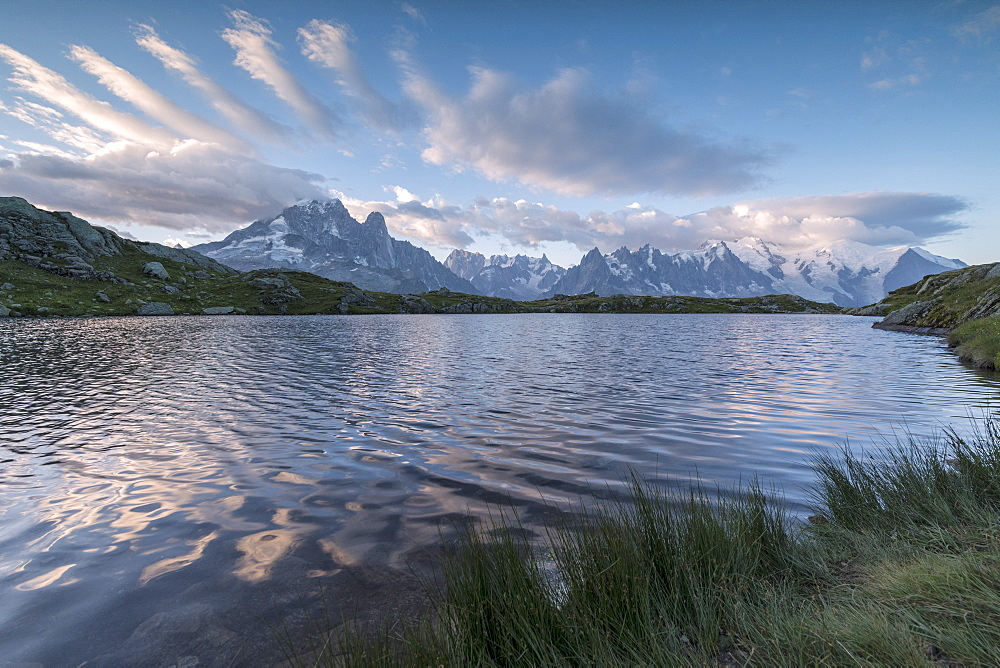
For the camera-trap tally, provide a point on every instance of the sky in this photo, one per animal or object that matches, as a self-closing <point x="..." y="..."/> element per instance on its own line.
<point x="506" y="126"/>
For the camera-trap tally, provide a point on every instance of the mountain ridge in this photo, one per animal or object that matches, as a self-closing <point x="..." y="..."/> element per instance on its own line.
<point x="847" y="273"/>
<point x="324" y="239"/>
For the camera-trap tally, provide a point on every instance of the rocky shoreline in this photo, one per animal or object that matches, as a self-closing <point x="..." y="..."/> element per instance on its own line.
<point x="962" y="305"/>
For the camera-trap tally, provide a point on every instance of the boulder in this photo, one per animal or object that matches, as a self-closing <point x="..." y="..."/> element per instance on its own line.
<point x="415" y="304"/>
<point x="156" y="270"/>
<point x="6" y="286"/>
<point x="907" y="315"/>
<point x="4" y="311"/>
<point x="218" y="310"/>
<point x="155" y="308"/>
<point x="270" y="283"/>
<point x="103" y="297"/>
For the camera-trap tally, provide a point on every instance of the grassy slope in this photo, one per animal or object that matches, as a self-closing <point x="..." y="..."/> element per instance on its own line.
<point x="899" y="567"/>
<point x="966" y="302"/>
<point x="41" y="293"/>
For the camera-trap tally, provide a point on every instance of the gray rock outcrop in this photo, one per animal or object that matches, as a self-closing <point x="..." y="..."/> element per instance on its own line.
<point x="155" y="308"/>
<point x="61" y="243"/>
<point x="906" y="314"/>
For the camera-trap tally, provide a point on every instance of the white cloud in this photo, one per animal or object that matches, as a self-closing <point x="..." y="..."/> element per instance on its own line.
<point x="328" y="44"/>
<point x="251" y="39"/>
<point x="154" y="104"/>
<point x="573" y="139"/>
<point x="241" y="115"/>
<point x="875" y="218"/>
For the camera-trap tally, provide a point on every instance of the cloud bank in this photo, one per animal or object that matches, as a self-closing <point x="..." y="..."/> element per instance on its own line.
<point x="877" y="218"/>
<point x="571" y="138"/>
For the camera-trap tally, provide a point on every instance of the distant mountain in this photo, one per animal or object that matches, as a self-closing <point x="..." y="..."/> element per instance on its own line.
<point x="847" y="273"/>
<point x="519" y="277"/>
<point x="323" y="238"/>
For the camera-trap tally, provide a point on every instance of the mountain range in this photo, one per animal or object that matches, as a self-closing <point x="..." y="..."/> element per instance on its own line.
<point x="323" y="238"/>
<point x="847" y="273"/>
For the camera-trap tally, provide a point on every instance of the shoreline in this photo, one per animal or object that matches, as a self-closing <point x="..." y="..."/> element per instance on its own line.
<point x="898" y="566"/>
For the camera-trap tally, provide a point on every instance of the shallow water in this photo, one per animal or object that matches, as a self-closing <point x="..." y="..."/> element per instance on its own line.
<point x="174" y="489"/>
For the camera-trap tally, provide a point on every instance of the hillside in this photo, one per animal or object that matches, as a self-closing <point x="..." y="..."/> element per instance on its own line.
<point x="963" y="304"/>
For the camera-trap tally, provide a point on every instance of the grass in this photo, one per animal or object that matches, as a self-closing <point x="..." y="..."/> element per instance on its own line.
<point x="978" y="342"/>
<point x="899" y="566"/>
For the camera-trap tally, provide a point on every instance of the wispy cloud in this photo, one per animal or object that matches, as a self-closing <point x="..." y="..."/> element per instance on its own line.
<point x="329" y="45"/>
<point x="117" y="167"/>
<point x="888" y="84"/>
<point x="571" y="138"/>
<point x="42" y="82"/>
<point x="242" y="116"/>
<point x="154" y="104"/>
<point x="982" y="26"/>
<point x="413" y="13"/>
<point x="251" y="39"/>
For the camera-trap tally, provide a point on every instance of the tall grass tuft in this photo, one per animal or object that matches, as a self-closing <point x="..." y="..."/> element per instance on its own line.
<point x="901" y="566"/>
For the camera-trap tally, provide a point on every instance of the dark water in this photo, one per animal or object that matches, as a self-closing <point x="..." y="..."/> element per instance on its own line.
<point x="174" y="490"/>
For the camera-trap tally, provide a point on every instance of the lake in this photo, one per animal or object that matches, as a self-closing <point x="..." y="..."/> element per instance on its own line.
<point x="192" y="489"/>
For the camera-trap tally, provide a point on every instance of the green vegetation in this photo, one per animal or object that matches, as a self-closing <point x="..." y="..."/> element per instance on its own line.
<point x="190" y="289"/>
<point x="948" y="299"/>
<point x="900" y="566"/>
<point x="978" y="342"/>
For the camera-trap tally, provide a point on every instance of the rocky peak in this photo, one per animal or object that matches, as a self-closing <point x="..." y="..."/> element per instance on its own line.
<point x="593" y="257"/>
<point x="374" y="224"/>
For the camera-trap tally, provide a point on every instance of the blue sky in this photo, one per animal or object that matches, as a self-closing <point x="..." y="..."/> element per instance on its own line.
<point x="514" y="126"/>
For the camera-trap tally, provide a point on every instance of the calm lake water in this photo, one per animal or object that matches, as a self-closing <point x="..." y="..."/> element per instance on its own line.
<point x="189" y="489"/>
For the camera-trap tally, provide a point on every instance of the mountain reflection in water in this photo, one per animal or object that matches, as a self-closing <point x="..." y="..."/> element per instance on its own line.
<point x="176" y="487"/>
